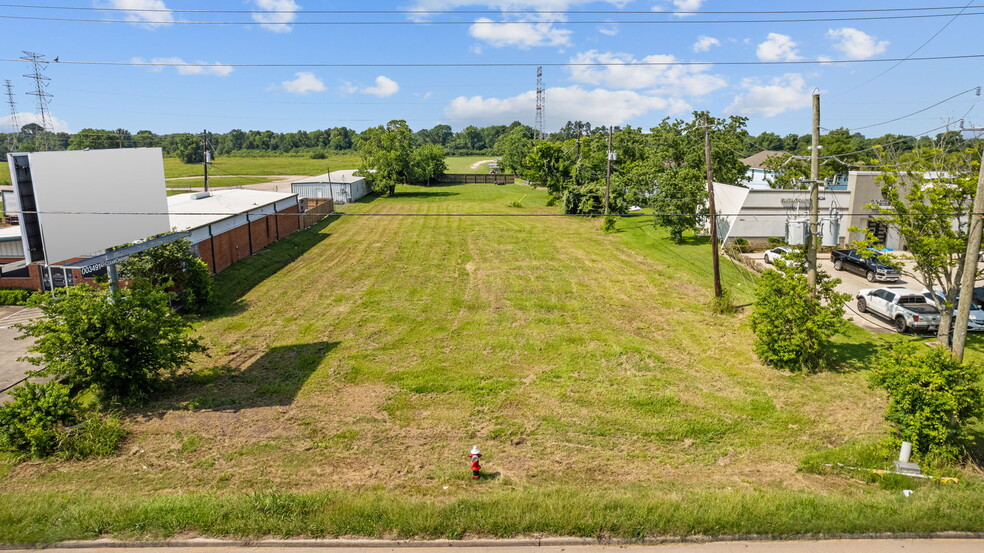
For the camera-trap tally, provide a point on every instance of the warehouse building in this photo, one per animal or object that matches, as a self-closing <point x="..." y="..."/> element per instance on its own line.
<point x="224" y="227"/>
<point x="228" y="225"/>
<point x="342" y="187"/>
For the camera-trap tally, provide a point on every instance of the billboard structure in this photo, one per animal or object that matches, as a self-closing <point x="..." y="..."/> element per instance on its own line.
<point x="81" y="203"/>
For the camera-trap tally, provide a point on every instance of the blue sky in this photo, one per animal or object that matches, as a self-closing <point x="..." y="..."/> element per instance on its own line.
<point x="222" y="97"/>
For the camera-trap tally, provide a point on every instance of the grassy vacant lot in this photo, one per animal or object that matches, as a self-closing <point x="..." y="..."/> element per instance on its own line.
<point x="463" y="164"/>
<point x="4" y="173"/>
<point x="215" y="182"/>
<point x="263" y="166"/>
<point x="354" y="365"/>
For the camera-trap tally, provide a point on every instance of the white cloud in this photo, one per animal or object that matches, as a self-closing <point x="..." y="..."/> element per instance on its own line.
<point x="275" y="15"/>
<point x="855" y="44"/>
<point x="673" y="80"/>
<point x="608" y="107"/>
<point x="705" y="43"/>
<point x="777" y="47"/>
<point x="681" y="6"/>
<point x="385" y="87"/>
<point x="198" y="68"/>
<point x="161" y="17"/>
<point x="609" y="29"/>
<point x="305" y="83"/>
<point x="26" y="118"/>
<point x="771" y="98"/>
<point x="521" y="34"/>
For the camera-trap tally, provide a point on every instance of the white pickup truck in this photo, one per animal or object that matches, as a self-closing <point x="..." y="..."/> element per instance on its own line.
<point x="907" y="309"/>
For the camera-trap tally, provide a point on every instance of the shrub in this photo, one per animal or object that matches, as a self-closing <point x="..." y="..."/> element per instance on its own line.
<point x="318" y="155"/>
<point x="724" y="305"/>
<point x="776" y="241"/>
<point x="44" y="420"/>
<point x="792" y="327"/>
<point x="743" y="245"/>
<point x="118" y="342"/>
<point x="93" y="437"/>
<point x="32" y="423"/>
<point x="608" y="225"/>
<point x="933" y="397"/>
<point x="177" y="267"/>
<point x="14" y="296"/>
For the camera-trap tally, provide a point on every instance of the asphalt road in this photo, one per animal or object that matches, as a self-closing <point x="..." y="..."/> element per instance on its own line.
<point x="827" y="546"/>
<point x="12" y="370"/>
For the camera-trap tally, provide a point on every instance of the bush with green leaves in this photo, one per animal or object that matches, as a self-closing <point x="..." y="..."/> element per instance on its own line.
<point x="33" y="422"/>
<point x="120" y="343"/>
<point x="932" y="397"/>
<point x="14" y="296"/>
<point x="175" y="266"/>
<point x="45" y="419"/>
<point x="792" y="327"/>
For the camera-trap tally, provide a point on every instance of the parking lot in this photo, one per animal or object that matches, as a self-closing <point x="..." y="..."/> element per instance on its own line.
<point x="852" y="284"/>
<point x="12" y="370"/>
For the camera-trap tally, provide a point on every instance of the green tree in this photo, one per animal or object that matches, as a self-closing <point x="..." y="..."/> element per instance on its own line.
<point x="678" y="195"/>
<point x="94" y="139"/>
<point x="793" y="327"/>
<point x="932" y="397"/>
<point x="428" y="162"/>
<point x="549" y="165"/>
<point x="120" y="343"/>
<point x="387" y="156"/>
<point x="928" y="195"/>
<point x="512" y="148"/>
<point x="175" y="267"/>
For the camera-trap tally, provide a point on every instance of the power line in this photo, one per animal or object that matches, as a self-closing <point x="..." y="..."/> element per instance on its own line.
<point x="492" y="12"/>
<point x="976" y="88"/>
<point x="916" y="51"/>
<point x="489" y="22"/>
<point x="504" y="64"/>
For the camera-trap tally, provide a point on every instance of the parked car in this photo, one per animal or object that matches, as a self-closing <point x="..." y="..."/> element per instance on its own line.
<point x="776" y="253"/>
<point x="976" y="321"/>
<point x="907" y="309"/>
<point x="871" y="268"/>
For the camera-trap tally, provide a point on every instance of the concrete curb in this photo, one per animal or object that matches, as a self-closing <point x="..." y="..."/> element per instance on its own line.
<point x="510" y="542"/>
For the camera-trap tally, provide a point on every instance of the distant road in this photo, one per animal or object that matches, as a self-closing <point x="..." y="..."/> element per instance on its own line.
<point x="827" y="546"/>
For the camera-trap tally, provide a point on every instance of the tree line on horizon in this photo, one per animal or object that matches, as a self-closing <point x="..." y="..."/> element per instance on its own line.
<point x="470" y="140"/>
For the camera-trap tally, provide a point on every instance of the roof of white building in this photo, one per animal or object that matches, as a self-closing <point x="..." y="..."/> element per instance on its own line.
<point x="10" y="234"/>
<point x="189" y="211"/>
<point x="335" y="177"/>
<point x="755" y="161"/>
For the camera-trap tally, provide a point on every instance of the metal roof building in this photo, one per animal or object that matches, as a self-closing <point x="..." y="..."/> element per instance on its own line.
<point x="342" y="187"/>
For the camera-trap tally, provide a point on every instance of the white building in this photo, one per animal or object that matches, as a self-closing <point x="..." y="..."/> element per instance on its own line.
<point x="756" y="214"/>
<point x="342" y="187"/>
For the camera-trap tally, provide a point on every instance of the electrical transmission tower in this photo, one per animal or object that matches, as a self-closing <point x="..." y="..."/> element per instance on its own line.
<point x="540" y="100"/>
<point x="41" y="81"/>
<point x="12" y="143"/>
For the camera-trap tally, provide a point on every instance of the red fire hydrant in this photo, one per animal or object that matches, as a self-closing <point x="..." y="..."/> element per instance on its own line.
<point x="476" y="466"/>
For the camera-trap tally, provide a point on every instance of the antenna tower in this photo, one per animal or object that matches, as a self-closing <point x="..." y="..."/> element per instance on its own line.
<point x="12" y="143"/>
<point x="41" y="81"/>
<point x="540" y="101"/>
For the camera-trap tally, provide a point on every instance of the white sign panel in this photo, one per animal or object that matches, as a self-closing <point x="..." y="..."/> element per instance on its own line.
<point x="89" y="201"/>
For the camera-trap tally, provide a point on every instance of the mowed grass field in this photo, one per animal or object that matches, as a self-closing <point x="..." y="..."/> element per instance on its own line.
<point x="248" y="170"/>
<point x="353" y="365"/>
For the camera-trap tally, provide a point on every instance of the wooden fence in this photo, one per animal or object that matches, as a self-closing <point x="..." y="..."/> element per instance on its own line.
<point x="315" y="210"/>
<point x="475" y="178"/>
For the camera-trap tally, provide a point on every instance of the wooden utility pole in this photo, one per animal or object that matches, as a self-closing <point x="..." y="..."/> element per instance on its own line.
<point x="975" y="228"/>
<point x="811" y="240"/>
<point x="712" y="209"/>
<point x="205" y="156"/>
<point x="608" y="172"/>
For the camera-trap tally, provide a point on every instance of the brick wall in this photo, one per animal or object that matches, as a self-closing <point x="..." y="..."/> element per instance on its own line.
<point x="219" y="252"/>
